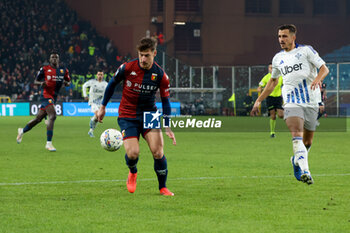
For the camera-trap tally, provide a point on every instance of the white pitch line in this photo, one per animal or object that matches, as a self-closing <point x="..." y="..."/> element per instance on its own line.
<point x="151" y="179"/>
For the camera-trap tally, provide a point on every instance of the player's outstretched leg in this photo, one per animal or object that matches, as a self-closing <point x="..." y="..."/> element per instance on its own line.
<point x="161" y="169"/>
<point x="132" y="177"/>
<point x="296" y="168"/>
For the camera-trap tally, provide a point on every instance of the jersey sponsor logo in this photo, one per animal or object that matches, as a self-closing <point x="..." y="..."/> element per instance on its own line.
<point x="289" y="69"/>
<point x="145" y="86"/>
<point x="55" y="78"/>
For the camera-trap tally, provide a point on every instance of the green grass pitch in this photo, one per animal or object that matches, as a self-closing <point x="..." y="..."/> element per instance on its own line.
<point x="223" y="182"/>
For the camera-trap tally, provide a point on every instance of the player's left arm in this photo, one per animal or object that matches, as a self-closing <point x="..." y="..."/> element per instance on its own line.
<point x="317" y="61"/>
<point x="67" y="78"/>
<point x="322" y="73"/>
<point x="165" y="96"/>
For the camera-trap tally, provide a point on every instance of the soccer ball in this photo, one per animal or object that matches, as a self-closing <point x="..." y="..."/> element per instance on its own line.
<point x="111" y="140"/>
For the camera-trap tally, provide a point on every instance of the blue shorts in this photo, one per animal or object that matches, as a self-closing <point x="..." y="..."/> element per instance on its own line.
<point x="132" y="127"/>
<point x="45" y="103"/>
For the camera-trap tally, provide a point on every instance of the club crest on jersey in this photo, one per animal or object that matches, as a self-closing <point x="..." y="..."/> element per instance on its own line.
<point x="298" y="55"/>
<point x="61" y="70"/>
<point x="154" y="77"/>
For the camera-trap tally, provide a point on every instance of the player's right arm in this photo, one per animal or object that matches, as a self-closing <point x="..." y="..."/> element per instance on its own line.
<point x="40" y="78"/>
<point x="84" y="88"/>
<point x="272" y="83"/>
<point x="263" y="82"/>
<point x="270" y="86"/>
<point x="117" y="78"/>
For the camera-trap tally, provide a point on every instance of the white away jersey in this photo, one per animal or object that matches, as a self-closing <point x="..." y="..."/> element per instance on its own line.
<point x="96" y="92"/>
<point x="298" y="68"/>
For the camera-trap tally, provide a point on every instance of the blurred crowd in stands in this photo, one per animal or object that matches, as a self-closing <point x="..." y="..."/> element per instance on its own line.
<point x="31" y="29"/>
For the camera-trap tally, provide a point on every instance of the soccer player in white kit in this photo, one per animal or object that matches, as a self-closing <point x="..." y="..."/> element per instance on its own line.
<point x="97" y="89"/>
<point x="298" y="66"/>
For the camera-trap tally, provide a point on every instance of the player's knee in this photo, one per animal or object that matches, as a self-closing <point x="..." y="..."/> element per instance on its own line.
<point x="133" y="153"/>
<point x="52" y="117"/>
<point x="38" y="119"/>
<point x="157" y="152"/>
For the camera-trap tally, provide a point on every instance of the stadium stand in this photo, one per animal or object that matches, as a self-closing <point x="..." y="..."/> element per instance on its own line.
<point x="30" y="29"/>
<point x="339" y="55"/>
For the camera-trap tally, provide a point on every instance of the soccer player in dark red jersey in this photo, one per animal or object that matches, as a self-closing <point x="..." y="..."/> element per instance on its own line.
<point x="50" y="78"/>
<point x="141" y="78"/>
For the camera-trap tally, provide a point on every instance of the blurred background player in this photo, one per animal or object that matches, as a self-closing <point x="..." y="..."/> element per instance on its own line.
<point x="96" y="90"/>
<point x="274" y="101"/>
<point x="298" y="65"/>
<point x="50" y="78"/>
<point x="141" y="79"/>
<point x="248" y="103"/>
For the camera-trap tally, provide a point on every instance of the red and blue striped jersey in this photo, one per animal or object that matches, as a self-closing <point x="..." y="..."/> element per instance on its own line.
<point x="139" y="88"/>
<point x="54" y="79"/>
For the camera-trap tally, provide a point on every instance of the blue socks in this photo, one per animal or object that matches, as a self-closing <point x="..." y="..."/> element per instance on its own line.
<point x="131" y="164"/>
<point x="161" y="169"/>
<point x="26" y="128"/>
<point x="49" y="134"/>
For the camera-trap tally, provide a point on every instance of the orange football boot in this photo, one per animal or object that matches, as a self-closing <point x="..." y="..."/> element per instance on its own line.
<point x="166" y="192"/>
<point x="131" y="182"/>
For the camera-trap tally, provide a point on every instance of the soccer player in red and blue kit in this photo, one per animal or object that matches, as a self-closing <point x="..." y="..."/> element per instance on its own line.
<point x="141" y="79"/>
<point x="50" y="78"/>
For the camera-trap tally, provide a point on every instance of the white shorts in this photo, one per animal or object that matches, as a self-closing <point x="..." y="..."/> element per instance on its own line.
<point x="308" y="114"/>
<point x="95" y="107"/>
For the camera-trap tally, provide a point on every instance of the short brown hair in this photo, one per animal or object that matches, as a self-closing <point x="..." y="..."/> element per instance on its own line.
<point x="291" y="27"/>
<point x="147" y="43"/>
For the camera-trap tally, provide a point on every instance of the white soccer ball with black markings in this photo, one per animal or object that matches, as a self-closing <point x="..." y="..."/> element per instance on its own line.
<point x="111" y="139"/>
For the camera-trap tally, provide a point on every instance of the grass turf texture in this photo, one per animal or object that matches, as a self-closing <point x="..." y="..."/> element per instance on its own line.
<point x="223" y="182"/>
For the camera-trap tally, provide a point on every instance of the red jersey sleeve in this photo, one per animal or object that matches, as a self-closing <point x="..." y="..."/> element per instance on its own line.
<point x="66" y="76"/>
<point x="164" y="86"/>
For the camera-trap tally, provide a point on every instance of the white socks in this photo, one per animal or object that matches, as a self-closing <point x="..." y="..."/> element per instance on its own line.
<point x="93" y="123"/>
<point x="300" y="153"/>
